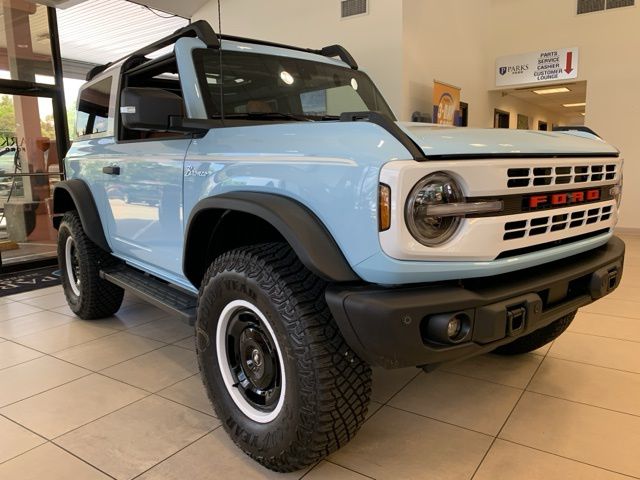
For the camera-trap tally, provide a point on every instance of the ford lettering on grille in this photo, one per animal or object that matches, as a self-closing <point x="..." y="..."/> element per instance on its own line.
<point x="535" y="202"/>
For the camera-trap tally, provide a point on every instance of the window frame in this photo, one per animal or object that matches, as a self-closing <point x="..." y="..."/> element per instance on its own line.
<point x="132" y="66"/>
<point x="110" y="131"/>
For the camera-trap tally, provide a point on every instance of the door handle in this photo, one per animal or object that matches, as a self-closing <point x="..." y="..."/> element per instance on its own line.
<point x="111" y="170"/>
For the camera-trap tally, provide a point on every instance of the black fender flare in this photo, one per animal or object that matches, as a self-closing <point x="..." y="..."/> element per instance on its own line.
<point x="78" y="192"/>
<point x="299" y="226"/>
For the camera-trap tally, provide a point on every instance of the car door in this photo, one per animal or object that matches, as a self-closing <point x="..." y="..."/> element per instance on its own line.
<point x="143" y="187"/>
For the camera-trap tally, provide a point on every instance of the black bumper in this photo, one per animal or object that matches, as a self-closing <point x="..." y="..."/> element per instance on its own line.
<point x="394" y="327"/>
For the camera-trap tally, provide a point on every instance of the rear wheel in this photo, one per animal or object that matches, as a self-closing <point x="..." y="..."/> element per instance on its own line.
<point x="286" y="386"/>
<point x="80" y="261"/>
<point x="538" y="338"/>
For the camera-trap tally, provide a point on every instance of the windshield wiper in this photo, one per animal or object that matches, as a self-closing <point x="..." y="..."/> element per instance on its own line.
<point x="276" y="115"/>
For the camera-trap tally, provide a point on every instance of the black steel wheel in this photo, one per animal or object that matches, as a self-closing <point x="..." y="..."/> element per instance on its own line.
<point x="251" y="361"/>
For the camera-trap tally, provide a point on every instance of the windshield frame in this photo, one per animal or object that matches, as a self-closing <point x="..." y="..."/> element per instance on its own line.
<point x="210" y="101"/>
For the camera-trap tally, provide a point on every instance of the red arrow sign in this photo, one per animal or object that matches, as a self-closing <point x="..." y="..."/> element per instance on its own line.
<point x="569" y="69"/>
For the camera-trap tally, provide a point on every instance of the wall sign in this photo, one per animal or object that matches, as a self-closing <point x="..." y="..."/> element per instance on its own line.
<point x="537" y="67"/>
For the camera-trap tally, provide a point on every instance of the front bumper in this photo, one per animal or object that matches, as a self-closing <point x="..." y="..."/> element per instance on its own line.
<point x="389" y="327"/>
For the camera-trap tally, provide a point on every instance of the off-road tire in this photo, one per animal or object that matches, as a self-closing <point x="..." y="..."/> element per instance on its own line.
<point x="98" y="298"/>
<point x="328" y="386"/>
<point x="537" y="338"/>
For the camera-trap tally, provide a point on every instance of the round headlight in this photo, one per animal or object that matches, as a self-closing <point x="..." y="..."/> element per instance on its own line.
<point x="435" y="189"/>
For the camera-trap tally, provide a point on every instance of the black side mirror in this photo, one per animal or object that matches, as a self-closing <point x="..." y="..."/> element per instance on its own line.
<point x="149" y="108"/>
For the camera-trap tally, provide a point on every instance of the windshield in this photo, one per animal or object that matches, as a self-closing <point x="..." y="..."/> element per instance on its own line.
<point x="283" y="88"/>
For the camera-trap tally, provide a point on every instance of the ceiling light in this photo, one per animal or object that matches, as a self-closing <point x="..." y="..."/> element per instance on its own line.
<point x="583" y="114"/>
<point x="286" y="77"/>
<point x="569" y="105"/>
<point x="547" y="91"/>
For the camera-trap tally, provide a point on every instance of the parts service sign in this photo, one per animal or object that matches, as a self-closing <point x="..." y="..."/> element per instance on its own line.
<point x="537" y="67"/>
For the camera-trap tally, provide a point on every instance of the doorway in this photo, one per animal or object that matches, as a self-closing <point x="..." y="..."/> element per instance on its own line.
<point x="501" y="119"/>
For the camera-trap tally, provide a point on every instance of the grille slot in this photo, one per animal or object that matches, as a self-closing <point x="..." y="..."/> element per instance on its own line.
<point x="554" y="223"/>
<point x="565" y="175"/>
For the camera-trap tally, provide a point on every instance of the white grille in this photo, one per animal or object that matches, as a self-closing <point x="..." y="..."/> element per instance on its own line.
<point x="553" y="223"/>
<point x="567" y="175"/>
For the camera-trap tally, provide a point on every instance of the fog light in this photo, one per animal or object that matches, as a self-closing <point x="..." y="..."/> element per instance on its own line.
<point x="453" y="328"/>
<point x="448" y="328"/>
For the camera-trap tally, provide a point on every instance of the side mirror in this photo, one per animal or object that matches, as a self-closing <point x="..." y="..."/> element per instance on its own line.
<point x="149" y="108"/>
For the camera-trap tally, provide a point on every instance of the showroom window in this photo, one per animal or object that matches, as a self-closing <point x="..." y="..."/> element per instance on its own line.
<point x="33" y="131"/>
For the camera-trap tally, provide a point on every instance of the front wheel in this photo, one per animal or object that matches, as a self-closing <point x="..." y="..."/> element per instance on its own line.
<point x="80" y="261"/>
<point x="286" y="386"/>
<point x="538" y="338"/>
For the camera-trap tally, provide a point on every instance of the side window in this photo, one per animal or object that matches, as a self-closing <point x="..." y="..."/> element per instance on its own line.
<point x="93" y="110"/>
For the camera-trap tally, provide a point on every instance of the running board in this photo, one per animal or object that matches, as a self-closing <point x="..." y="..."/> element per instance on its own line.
<point x="154" y="291"/>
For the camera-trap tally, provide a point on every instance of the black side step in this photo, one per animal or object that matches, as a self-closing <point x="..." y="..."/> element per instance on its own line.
<point x="155" y="291"/>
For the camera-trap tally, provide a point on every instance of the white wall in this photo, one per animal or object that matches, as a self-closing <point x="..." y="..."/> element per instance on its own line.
<point x="446" y="41"/>
<point x="374" y="39"/>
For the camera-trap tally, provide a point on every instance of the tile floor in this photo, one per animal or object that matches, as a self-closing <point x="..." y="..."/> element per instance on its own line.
<point x="121" y="398"/>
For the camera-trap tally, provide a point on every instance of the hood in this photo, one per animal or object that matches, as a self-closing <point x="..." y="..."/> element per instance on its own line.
<point x="444" y="141"/>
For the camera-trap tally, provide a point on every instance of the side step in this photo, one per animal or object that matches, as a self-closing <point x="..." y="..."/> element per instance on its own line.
<point x="152" y="290"/>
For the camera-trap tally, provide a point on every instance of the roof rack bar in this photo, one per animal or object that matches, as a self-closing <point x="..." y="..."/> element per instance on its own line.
<point x="234" y="38"/>
<point x="330" y="51"/>
<point x="340" y="51"/>
<point x="200" y="29"/>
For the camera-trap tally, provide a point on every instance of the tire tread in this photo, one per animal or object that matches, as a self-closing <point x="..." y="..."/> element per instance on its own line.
<point x="336" y="384"/>
<point x="100" y="298"/>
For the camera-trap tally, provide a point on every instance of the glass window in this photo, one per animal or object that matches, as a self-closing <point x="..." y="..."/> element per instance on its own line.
<point x="25" y="42"/>
<point x="29" y="168"/>
<point x="93" y="109"/>
<point x="274" y="87"/>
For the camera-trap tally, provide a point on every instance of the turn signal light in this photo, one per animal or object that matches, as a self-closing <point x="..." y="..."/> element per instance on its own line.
<point x="384" y="207"/>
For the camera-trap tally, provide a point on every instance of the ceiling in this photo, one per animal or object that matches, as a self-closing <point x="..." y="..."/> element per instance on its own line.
<point x="100" y="31"/>
<point x="183" y="8"/>
<point x="553" y="102"/>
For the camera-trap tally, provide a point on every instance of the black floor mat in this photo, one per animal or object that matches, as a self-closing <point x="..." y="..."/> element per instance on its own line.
<point x="12" y="283"/>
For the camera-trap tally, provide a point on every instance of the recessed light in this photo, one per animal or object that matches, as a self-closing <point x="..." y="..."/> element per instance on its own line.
<point x="569" y="105"/>
<point x="548" y="91"/>
<point x="286" y="77"/>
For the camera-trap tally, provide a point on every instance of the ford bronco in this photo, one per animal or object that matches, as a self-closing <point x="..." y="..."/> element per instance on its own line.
<point x="266" y="194"/>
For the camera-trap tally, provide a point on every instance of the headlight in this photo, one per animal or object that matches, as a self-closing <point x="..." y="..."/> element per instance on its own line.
<point x="435" y="189"/>
<point x="616" y="192"/>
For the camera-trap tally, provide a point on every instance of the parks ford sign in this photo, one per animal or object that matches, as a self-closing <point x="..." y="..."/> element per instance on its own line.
<point x="537" y="67"/>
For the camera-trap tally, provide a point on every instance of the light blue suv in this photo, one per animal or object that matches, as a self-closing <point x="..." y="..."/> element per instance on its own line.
<point x="265" y="194"/>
